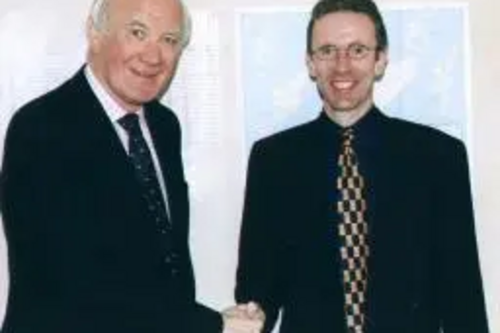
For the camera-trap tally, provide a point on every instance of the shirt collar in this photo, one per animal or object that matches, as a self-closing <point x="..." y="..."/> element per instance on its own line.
<point x="113" y="110"/>
<point x="366" y="129"/>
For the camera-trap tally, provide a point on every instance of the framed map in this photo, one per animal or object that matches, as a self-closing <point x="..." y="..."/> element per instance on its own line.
<point x="426" y="81"/>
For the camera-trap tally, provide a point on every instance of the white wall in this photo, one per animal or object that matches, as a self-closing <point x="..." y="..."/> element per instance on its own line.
<point x="40" y="40"/>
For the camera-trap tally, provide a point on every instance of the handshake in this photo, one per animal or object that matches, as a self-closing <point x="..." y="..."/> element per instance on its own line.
<point x="243" y="318"/>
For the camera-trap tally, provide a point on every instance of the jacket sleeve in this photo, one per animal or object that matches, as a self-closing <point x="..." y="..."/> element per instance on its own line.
<point x="461" y="297"/>
<point x="260" y="272"/>
<point x="204" y="319"/>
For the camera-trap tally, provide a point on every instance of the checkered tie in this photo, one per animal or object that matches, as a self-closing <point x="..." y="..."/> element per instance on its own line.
<point x="140" y="156"/>
<point x="353" y="232"/>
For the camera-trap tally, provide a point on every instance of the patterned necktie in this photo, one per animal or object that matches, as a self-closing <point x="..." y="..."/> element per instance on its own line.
<point x="353" y="232"/>
<point x="140" y="156"/>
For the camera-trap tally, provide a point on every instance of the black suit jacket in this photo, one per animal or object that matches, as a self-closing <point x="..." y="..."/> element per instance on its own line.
<point x="424" y="271"/>
<point x="84" y="255"/>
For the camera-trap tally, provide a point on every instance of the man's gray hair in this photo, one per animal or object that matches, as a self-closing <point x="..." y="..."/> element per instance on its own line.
<point x="99" y="14"/>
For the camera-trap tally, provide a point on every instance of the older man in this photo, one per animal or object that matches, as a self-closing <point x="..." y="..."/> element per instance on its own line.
<point x="94" y="199"/>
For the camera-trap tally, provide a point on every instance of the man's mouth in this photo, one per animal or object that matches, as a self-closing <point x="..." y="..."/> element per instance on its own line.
<point x="342" y="84"/>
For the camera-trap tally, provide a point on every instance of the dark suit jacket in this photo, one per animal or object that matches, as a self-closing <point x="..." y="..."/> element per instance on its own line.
<point x="84" y="255"/>
<point x="423" y="269"/>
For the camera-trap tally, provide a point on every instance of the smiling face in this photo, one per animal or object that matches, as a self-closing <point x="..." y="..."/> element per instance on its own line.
<point x="136" y="51"/>
<point x="344" y="83"/>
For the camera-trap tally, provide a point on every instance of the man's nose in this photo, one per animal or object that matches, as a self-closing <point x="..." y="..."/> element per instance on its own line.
<point x="152" y="53"/>
<point x="342" y="61"/>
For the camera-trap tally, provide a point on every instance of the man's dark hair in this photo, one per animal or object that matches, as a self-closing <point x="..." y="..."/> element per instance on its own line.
<point x="366" y="7"/>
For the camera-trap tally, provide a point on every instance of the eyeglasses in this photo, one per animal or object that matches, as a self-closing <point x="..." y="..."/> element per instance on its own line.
<point x="353" y="51"/>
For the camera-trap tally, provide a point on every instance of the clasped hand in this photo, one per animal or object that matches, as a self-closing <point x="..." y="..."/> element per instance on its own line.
<point x="243" y="318"/>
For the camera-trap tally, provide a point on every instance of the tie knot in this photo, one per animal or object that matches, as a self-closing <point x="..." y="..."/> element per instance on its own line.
<point x="130" y="123"/>
<point x="347" y="136"/>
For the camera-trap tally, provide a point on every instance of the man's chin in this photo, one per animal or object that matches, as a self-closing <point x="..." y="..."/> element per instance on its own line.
<point x="145" y="97"/>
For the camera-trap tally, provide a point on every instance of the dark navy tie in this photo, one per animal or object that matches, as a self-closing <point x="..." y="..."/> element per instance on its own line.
<point x="142" y="161"/>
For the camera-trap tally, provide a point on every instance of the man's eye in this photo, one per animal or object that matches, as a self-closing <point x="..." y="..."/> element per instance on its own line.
<point x="172" y="40"/>
<point x="138" y="33"/>
<point x="358" y="49"/>
<point x="327" y="51"/>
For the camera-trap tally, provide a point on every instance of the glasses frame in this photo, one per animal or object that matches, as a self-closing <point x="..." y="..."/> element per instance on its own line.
<point x="355" y="51"/>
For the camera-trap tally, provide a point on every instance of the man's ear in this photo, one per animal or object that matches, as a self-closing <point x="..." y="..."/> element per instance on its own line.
<point x="93" y="36"/>
<point x="311" y="67"/>
<point x="381" y="65"/>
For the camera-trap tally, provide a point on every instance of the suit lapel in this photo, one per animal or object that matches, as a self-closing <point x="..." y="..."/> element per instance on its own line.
<point x="166" y="140"/>
<point x="99" y="147"/>
<point x="162" y="149"/>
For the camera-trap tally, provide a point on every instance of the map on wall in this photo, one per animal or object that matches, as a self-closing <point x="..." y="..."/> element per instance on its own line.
<point x="426" y="80"/>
